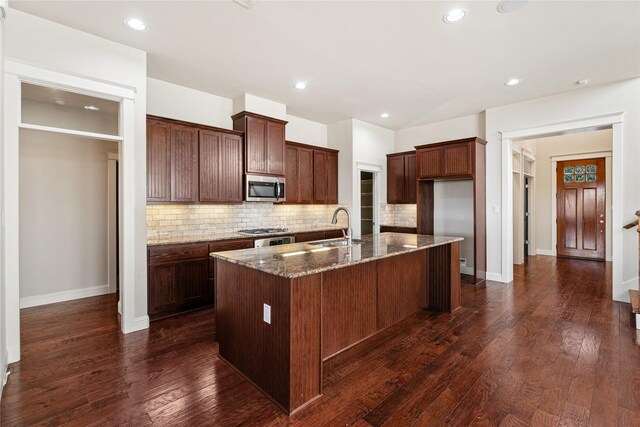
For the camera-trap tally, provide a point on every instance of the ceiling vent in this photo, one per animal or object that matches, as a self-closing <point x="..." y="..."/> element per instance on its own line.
<point x="508" y="6"/>
<point x="246" y="3"/>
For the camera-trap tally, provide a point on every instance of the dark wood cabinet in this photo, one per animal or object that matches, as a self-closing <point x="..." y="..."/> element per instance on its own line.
<point x="264" y="143"/>
<point x="192" y="163"/>
<point x="401" y="178"/>
<point x="299" y="173"/>
<point x="325" y="176"/>
<point x="184" y="164"/>
<point x="220" y="167"/>
<point x="181" y="276"/>
<point x="398" y="229"/>
<point x="310" y="236"/>
<point x="462" y="159"/>
<point x="158" y="161"/>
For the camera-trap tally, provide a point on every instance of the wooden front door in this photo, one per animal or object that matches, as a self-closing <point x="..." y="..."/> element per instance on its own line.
<point x="581" y="208"/>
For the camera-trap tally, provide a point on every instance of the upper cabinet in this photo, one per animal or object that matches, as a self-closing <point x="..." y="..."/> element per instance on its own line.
<point x="401" y="178"/>
<point x="311" y="174"/>
<point x="448" y="160"/>
<point x="264" y="143"/>
<point x="190" y="163"/>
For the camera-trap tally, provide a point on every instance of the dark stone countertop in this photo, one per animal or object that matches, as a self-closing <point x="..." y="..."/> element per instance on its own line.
<point x="302" y="259"/>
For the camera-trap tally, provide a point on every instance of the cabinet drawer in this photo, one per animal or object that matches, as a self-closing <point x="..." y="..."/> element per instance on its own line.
<point x="333" y="234"/>
<point x="170" y="253"/>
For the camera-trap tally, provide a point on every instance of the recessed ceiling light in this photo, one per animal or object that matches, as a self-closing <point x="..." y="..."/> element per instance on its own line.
<point x="512" y="82"/>
<point x="301" y="85"/>
<point x="91" y="108"/>
<point x="135" y="24"/>
<point x="59" y="101"/>
<point x="508" y="6"/>
<point x="454" y="15"/>
<point x="582" y="82"/>
<point x="384" y="115"/>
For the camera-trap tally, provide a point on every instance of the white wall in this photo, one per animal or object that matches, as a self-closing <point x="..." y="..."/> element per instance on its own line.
<point x="255" y="104"/>
<point x="545" y="148"/>
<point x="43" y="43"/>
<point x="3" y="319"/>
<point x="453" y="215"/>
<point x="586" y="103"/>
<point x="461" y="127"/>
<point x="340" y="137"/>
<point x="306" y="131"/>
<point x="63" y="217"/>
<point x="182" y="103"/>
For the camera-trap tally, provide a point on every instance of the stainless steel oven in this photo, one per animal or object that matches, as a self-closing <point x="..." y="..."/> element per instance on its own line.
<point x="273" y="241"/>
<point x="260" y="188"/>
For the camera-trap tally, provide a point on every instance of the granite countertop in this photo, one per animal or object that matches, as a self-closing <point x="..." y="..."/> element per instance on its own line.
<point x="211" y="237"/>
<point x="302" y="259"/>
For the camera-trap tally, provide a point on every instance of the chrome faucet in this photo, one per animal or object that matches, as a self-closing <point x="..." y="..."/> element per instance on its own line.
<point x="334" y="221"/>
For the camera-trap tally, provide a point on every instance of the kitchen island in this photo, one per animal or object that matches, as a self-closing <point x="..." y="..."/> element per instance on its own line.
<point x="282" y="311"/>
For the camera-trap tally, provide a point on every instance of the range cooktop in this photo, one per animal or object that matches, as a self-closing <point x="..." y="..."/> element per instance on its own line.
<point x="263" y="230"/>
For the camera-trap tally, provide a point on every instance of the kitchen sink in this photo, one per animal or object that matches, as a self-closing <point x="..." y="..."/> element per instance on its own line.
<point x="336" y="243"/>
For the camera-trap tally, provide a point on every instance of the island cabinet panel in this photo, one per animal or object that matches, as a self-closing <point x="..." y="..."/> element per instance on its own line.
<point x="348" y="306"/>
<point x="443" y="279"/>
<point x="402" y="287"/>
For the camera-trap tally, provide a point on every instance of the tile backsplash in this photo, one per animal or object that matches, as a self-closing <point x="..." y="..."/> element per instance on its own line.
<point x="398" y="215"/>
<point x="165" y="220"/>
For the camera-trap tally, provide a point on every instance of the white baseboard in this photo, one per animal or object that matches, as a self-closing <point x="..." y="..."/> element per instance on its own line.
<point x="140" y="323"/>
<point x="495" y="277"/>
<point x="547" y="252"/>
<point x="72" y="294"/>
<point x="638" y="321"/>
<point x="3" y="372"/>
<point x="466" y="270"/>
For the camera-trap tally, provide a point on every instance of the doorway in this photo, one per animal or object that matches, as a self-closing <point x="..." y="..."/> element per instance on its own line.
<point x="526" y="217"/>
<point x="367" y="211"/>
<point x="581" y="208"/>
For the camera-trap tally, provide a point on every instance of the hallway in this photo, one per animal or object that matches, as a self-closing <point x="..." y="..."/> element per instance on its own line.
<point x="551" y="349"/>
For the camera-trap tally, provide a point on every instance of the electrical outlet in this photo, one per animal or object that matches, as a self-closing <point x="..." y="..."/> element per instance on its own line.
<point x="266" y="314"/>
<point x="463" y="261"/>
<point x="496" y="208"/>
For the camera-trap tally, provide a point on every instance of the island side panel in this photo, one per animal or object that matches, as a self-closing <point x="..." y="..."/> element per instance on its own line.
<point x="443" y="277"/>
<point x="258" y="350"/>
<point x="402" y="287"/>
<point x="306" y="358"/>
<point x="348" y="306"/>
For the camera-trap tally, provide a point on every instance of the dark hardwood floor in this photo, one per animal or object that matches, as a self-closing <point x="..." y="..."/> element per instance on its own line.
<point x="552" y="349"/>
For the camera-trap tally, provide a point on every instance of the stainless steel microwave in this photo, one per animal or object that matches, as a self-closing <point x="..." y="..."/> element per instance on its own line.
<point x="264" y="189"/>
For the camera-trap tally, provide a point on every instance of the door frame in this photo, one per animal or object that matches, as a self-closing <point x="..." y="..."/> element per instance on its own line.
<point x="613" y="121"/>
<point x="608" y="156"/>
<point x="15" y="74"/>
<point x="376" y="170"/>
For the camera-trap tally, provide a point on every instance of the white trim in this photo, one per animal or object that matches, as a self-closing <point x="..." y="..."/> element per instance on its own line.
<point x="112" y="262"/>
<point x="615" y="121"/>
<point x="4" y="372"/>
<point x="564" y="127"/>
<point x="638" y="321"/>
<point x="546" y="252"/>
<point x="495" y="277"/>
<point x="72" y="294"/>
<point x="629" y="284"/>
<point x="81" y="133"/>
<point x="140" y="323"/>
<point x="68" y="81"/>
<point x="467" y="270"/>
<point x="581" y="155"/>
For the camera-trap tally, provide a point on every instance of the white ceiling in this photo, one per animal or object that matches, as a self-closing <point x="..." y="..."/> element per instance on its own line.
<point x="364" y="58"/>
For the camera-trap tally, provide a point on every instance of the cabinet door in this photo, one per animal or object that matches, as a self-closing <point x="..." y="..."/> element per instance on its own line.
<point x="193" y="284"/>
<point x="230" y="169"/>
<point x="319" y="176"/>
<point x="410" y="180"/>
<point x="305" y="175"/>
<point x="291" y="174"/>
<point x="275" y="148"/>
<point x="209" y="170"/>
<point x="184" y="164"/>
<point x="395" y="179"/>
<point x="457" y="159"/>
<point x="163" y="295"/>
<point x="256" y="145"/>
<point x="429" y="162"/>
<point x="332" y="178"/>
<point x="158" y="162"/>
